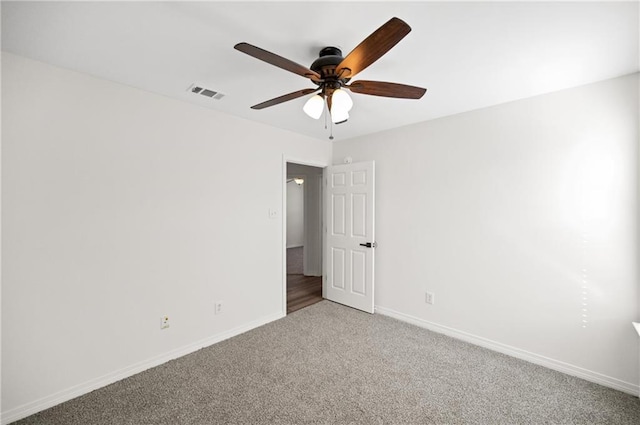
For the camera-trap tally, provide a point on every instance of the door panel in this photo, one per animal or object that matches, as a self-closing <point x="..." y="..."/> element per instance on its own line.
<point x="338" y="202"/>
<point x="338" y="268"/>
<point x="358" y="274"/>
<point x="359" y="213"/>
<point x="350" y="223"/>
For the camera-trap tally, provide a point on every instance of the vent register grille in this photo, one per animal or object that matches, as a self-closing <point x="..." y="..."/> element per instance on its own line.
<point x="197" y="89"/>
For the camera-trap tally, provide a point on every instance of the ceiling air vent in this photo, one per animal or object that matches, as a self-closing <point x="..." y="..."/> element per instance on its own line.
<point x="198" y="89"/>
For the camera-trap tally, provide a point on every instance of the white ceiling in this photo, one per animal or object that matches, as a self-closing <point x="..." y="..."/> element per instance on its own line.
<point x="468" y="55"/>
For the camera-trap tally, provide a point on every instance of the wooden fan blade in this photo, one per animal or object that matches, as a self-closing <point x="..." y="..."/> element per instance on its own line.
<point x="381" y="88"/>
<point x="276" y="60"/>
<point x="373" y="47"/>
<point x="284" y="98"/>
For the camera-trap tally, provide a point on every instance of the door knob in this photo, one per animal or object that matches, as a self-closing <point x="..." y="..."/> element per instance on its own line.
<point x="369" y="244"/>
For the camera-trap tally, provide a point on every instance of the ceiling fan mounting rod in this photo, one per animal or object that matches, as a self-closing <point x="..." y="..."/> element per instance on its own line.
<point x="330" y="51"/>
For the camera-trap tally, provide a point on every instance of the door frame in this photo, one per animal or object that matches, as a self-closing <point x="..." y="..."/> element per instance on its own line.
<point x="310" y="163"/>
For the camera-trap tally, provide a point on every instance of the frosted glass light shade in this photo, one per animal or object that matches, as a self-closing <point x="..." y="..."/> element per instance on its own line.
<point x="338" y="115"/>
<point x="314" y="106"/>
<point x="341" y="100"/>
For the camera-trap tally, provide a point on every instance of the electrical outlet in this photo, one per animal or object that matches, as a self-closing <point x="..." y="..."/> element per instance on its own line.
<point x="273" y="213"/>
<point x="429" y="298"/>
<point x="218" y="307"/>
<point x="164" y="322"/>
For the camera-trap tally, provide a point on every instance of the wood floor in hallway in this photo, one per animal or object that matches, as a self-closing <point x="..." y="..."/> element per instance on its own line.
<point x="302" y="291"/>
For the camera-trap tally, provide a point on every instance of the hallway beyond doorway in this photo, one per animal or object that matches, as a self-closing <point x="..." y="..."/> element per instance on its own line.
<point x="302" y="291"/>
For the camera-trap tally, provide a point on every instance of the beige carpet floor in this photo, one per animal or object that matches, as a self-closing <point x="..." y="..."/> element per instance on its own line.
<point x="329" y="364"/>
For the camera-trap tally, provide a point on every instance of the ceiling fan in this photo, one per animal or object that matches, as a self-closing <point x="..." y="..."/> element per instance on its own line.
<point x="332" y="73"/>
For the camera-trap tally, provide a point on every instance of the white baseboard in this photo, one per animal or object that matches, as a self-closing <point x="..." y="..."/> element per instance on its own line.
<point x="563" y="367"/>
<point x="84" y="388"/>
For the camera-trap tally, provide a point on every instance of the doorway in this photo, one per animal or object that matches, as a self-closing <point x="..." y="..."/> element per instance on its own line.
<point x="303" y="236"/>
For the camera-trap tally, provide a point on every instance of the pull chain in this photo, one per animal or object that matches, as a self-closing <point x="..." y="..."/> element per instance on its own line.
<point x="326" y="108"/>
<point x="326" y="117"/>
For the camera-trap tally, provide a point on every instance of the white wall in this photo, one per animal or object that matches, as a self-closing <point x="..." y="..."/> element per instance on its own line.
<point x="117" y="209"/>
<point x="514" y="217"/>
<point x="295" y="215"/>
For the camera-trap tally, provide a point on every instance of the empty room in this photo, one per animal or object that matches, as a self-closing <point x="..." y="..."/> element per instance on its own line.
<point x="464" y="244"/>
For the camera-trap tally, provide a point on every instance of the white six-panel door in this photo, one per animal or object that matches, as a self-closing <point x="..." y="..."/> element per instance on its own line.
<point x="349" y="218"/>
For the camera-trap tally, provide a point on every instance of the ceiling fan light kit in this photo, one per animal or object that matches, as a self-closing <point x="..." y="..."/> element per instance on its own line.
<point x="339" y="115"/>
<point x="332" y="74"/>
<point x="314" y="106"/>
<point x="341" y="104"/>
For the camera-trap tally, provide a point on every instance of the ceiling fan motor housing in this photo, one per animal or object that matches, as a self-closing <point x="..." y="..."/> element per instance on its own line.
<point x="325" y="65"/>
